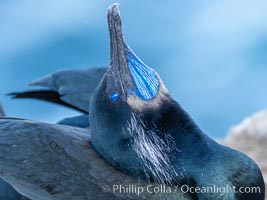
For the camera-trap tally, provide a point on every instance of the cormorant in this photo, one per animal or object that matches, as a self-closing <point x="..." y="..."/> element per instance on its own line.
<point x="136" y="128"/>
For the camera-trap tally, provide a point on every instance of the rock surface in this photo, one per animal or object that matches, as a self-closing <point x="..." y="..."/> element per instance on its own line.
<point x="250" y="137"/>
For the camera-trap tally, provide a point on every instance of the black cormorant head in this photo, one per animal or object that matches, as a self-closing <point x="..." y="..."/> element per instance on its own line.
<point x="123" y="107"/>
<point x="128" y="80"/>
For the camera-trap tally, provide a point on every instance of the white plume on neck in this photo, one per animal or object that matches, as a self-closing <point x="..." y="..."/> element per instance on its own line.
<point x="154" y="151"/>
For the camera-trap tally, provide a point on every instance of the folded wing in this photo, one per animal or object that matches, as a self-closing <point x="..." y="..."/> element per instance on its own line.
<point x="43" y="161"/>
<point x="71" y="88"/>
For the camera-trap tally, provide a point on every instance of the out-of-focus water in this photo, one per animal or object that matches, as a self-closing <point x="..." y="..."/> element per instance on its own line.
<point x="211" y="55"/>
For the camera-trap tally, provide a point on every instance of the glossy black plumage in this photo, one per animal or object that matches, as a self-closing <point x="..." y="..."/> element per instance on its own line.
<point x="45" y="95"/>
<point x="153" y="140"/>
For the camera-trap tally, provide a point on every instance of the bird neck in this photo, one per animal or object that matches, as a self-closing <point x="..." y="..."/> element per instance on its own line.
<point x="180" y="139"/>
<point x="174" y="120"/>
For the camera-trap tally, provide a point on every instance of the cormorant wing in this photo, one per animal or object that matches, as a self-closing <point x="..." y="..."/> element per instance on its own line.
<point x="46" y="162"/>
<point x="6" y="191"/>
<point x="71" y="88"/>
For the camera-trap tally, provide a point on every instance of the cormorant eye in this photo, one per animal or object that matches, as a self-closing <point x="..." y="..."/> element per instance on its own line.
<point x="114" y="96"/>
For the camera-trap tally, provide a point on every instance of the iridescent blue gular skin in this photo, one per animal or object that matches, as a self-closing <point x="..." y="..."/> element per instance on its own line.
<point x="145" y="79"/>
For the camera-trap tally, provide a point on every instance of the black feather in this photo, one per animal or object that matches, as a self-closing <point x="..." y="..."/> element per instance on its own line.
<point x="45" y="95"/>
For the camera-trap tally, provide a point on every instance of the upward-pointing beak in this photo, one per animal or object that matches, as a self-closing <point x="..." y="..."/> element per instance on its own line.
<point x="118" y="63"/>
<point x="127" y="73"/>
<point x="117" y="52"/>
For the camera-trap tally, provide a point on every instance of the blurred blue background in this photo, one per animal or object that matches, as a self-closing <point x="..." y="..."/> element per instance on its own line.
<point x="211" y="54"/>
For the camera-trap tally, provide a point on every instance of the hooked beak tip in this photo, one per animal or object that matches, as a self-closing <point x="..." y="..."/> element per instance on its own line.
<point x="117" y="51"/>
<point x="113" y="10"/>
